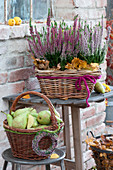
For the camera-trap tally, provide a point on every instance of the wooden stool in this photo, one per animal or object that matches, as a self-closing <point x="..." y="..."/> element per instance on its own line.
<point x="8" y="157"/>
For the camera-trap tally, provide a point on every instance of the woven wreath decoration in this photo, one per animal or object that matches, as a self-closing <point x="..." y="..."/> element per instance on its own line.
<point x="37" y="139"/>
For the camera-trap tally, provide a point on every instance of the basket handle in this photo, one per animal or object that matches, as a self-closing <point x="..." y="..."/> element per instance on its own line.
<point x="53" y="118"/>
<point x="91" y="133"/>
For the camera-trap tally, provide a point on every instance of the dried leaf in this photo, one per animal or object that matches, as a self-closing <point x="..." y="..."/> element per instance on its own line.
<point x="54" y="156"/>
<point x="107" y="88"/>
<point x="69" y="66"/>
<point x="26" y="96"/>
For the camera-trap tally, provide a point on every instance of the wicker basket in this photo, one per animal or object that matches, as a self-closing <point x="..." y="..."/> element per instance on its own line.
<point x="61" y="84"/>
<point x="103" y="158"/>
<point x="21" y="139"/>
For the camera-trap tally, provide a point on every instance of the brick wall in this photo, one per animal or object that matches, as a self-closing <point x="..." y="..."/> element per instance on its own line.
<point x="16" y="69"/>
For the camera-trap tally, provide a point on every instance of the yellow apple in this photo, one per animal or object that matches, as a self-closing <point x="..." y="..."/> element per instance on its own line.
<point x="18" y="20"/>
<point x="11" y="22"/>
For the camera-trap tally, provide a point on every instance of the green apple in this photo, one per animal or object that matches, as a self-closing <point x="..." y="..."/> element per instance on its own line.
<point x="44" y="117"/>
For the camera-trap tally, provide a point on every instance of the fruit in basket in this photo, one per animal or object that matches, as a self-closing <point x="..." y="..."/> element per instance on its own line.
<point x="20" y="121"/>
<point x="47" y="114"/>
<point x="99" y="88"/>
<point x="39" y="127"/>
<point x="34" y="114"/>
<point x="9" y="118"/>
<point x="42" y="126"/>
<point x="31" y="111"/>
<point x="32" y="122"/>
<point x="44" y="117"/>
<point x="35" y="124"/>
<point x="19" y="112"/>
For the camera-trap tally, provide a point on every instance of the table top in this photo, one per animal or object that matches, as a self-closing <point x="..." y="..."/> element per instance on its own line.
<point x="94" y="97"/>
<point x="7" y="155"/>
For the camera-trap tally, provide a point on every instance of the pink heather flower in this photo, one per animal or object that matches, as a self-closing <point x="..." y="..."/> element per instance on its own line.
<point x="48" y="21"/>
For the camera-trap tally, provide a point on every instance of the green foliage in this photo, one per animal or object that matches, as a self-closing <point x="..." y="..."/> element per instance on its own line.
<point x="54" y="59"/>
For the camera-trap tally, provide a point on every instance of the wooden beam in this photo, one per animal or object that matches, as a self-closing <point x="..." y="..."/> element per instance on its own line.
<point x="31" y="9"/>
<point x="76" y="123"/>
<point x="5" y="11"/>
<point x="65" y="116"/>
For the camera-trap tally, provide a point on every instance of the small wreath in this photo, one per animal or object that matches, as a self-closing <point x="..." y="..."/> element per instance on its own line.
<point x="38" y="138"/>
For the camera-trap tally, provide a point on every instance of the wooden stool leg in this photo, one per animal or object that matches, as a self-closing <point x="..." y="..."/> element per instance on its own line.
<point x="5" y="165"/>
<point x="76" y="123"/>
<point x="13" y="166"/>
<point x="48" y="167"/>
<point x="62" y="165"/>
<point x="18" y="167"/>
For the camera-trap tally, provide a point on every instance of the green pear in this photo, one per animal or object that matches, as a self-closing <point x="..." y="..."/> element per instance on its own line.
<point x="9" y="118"/>
<point x="39" y="127"/>
<point x="20" y="121"/>
<point x="44" y="117"/>
<point x="99" y="88"/>
<point x="19" y="112"/>
<point x="42" y="126"/>
<point x="34" y="114"/>
<point x="35" y="124"/>
<point x="32" y="110"/>
<point x="30" y="121"/>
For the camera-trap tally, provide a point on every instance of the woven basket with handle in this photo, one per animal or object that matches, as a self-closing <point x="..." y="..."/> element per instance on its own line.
<point x="103" y="157"/>
<point x="61" y="84"/>
<point x="21" y="139"/>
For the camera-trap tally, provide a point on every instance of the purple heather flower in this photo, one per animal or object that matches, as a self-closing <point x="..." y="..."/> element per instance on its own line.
<point x="48" y="21"/>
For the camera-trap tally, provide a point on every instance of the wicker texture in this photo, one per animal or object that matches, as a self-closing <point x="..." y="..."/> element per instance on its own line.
<point x="21" y="139"/>
<point x="64" y="88"/>
<point x="103" y="162"/>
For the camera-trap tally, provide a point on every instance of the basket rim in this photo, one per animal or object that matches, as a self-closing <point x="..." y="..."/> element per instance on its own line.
<point x="70" y="71"/>
<point x="101" y="150"/>
<point x="6" y="126"/>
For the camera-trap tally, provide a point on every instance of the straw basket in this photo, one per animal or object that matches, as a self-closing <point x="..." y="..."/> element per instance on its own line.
<point x="66" y="84"/>
<point x="103" y="158"/>
<point x="21" y="139"/>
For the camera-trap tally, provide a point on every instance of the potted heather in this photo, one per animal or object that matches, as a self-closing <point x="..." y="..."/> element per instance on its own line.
<point x="57" y="44"/>
<point x="66" y="58"/>
<point x="90" y="41"/>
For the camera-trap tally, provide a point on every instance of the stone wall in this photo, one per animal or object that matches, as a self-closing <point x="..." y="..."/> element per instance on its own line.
<point x="17" y="75"/>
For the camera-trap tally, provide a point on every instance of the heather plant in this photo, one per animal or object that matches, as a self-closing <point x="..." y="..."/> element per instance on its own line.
<point x="90" y="43"/>
<point x="60" y="44"/>
<point x="56" y="43"/>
